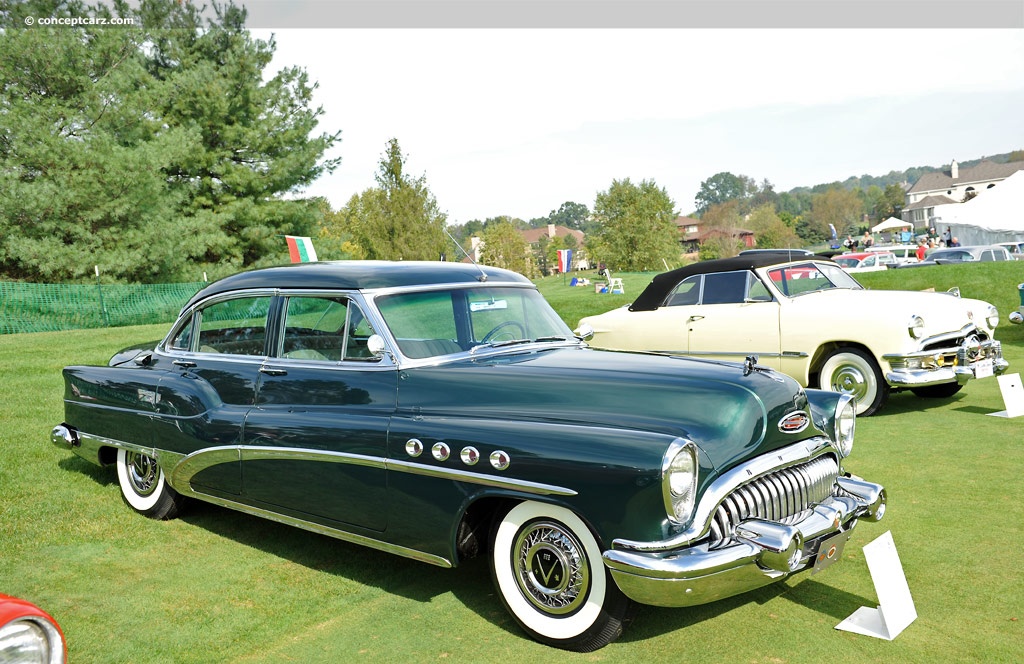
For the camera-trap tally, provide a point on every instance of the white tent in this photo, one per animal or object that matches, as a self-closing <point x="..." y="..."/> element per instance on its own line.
<point x="890" y="224"/>
<point x="994" y="215"/>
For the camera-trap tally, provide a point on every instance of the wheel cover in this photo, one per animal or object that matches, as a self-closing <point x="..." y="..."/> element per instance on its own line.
<point x="143" y="473"/>
<point x="551" y="568"/>
<point x="849" y="377"/>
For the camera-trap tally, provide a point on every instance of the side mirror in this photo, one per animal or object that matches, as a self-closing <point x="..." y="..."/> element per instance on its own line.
<point x="954" y="291"/>
<point x="375" y="344"/>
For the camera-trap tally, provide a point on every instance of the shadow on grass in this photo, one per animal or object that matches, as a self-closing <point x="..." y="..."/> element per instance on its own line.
<point x="103" y="476"/>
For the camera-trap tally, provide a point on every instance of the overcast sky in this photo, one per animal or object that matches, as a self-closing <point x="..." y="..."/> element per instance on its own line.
<point x="517" y="121"/>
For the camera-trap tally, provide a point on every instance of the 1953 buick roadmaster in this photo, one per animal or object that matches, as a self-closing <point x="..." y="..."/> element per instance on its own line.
<point x="440" y="411"/>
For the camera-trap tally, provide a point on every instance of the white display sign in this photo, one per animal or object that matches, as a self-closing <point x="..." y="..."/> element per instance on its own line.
<point x="896" y="608"/>
<point x="1013" y="395"/>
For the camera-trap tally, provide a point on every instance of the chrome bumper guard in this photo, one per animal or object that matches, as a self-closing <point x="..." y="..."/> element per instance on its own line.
<point x="924" y="368"/>
<point x="763" y="552"/>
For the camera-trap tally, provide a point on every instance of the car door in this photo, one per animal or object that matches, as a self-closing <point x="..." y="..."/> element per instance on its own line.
<point x="212" y="359"/>
<point x="315" y="442"/>
<point x="736" y="317"/>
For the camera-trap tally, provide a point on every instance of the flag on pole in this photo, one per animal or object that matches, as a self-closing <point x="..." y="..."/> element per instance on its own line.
<point x="300" y="249"/>
<point x="564" y="260"/>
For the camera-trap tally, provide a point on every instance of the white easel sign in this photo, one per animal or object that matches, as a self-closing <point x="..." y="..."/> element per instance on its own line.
<point x="1013" y="395"/>
<point x="896" y="608"/>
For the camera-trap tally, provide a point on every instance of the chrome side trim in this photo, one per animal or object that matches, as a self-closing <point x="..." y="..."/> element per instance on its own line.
<point x="740" y="354"/>
<point x="181" y="473"/>
<point x="90" y="444"/>
<point x="800" y="452"/>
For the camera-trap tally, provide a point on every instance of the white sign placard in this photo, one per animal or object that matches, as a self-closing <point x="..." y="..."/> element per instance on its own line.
<point x="1013" y="395"/>
<point x="895" y="605"/>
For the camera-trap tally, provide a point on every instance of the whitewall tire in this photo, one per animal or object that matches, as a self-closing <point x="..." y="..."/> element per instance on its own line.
<point x="548" y="570"/>
<point x="854" y="372"/>
<point x="144" y="487"/>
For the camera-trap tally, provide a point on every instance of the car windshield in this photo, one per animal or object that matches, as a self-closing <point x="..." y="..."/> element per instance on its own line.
<point x="801" y="278"/>
<point x="442" y="322"/>
<point x="847" y="261"/>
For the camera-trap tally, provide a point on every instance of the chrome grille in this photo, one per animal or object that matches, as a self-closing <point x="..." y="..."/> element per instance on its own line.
<point x="778" y="496"/>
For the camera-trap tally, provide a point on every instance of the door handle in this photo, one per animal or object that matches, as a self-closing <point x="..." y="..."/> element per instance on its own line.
<point x="694" y="318"/>
<point x="185" y="364"/>
<point x="273" y="372"/>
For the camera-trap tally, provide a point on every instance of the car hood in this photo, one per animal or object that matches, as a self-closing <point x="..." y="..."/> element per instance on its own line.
<point x="942" y="312"/>
<point x="729" y="415"/>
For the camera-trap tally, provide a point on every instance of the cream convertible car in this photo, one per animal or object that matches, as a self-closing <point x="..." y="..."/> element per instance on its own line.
<point x="813" y="321"/>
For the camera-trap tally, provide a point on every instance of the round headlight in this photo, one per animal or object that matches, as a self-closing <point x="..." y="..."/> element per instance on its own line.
<point x="846" y="424"/>
<point x="31" y="640"/>
<point x="992" y="318"/>
<point x="679" y="478"/>
<point x="916" y="327"/>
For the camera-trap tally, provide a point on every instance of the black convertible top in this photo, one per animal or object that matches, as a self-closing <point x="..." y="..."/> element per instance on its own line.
<point x="663" y="284"/>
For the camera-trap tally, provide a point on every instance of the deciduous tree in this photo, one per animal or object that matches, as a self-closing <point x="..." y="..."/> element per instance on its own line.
<point x="636" y="228"/>
<point x="505" y="247"/>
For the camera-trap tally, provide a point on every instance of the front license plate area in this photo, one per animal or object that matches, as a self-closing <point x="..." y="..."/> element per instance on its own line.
<point x="982" y="368"/>
<point x="830" y="551"/>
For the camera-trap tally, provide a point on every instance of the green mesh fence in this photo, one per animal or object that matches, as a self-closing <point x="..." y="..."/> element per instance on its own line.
<point x="49" y="307"/>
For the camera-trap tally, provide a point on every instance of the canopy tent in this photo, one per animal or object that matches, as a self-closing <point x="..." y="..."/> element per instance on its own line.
<point x="991" y="217"/>
<point x="890" y="224"/>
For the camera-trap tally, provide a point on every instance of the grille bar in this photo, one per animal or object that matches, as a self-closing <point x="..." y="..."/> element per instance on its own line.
<point x="778" y="496"/>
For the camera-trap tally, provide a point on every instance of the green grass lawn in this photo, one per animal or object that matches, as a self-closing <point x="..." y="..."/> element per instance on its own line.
<point x="219" y="586"/>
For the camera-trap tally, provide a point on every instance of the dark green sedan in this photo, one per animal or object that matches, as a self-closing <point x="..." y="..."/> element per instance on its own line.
<point x="442" y="411"/>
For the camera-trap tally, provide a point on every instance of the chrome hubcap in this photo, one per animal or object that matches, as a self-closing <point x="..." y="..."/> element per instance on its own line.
<point x="849" y="379"/>
<point x="143" y="473"/>
<point x="551" y="568"/>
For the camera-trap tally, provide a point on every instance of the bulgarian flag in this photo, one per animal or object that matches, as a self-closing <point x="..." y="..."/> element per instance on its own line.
<point x="300" y="249"/>
<point x="564" y="260"/>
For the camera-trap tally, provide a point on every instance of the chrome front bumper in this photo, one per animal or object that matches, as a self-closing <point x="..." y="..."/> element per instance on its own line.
<point x="933" y="367"/>
<point x="763" y="552"/>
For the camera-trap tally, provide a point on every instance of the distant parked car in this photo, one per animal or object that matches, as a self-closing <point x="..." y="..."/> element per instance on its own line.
<point x="1016" y="249"/>
<point x="866" y="261"/>
<point x="972" y="254"/>
<point x="813" y="321"/>
<point x="904" y="253"/>
<point x="28" y="634"/>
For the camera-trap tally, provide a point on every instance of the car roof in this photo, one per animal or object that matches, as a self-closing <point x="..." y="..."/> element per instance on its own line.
<point x="359" y="275"/>
<point x="654" y="295"/>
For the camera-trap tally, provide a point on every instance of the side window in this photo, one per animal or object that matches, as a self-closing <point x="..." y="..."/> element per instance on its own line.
<point x="757" y="291"/>
<point x="235" y="327"/>
<point x="325" y="328"/>
<point x="182" y="339"/>
<point x="724" y="288"/>
<point x="686" y="292"/>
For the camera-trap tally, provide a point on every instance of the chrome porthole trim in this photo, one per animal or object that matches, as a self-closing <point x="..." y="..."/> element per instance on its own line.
<point x="500" y="459"/>
<point x="441" y="451"/>
<point x="414" y="447"/>
<point x="470" y="455"/>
